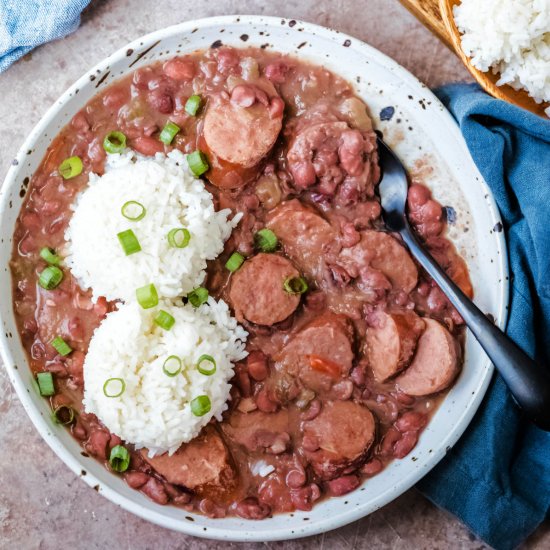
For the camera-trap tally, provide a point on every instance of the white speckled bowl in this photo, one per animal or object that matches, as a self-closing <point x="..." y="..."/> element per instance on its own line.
<point x="424" y="135"/>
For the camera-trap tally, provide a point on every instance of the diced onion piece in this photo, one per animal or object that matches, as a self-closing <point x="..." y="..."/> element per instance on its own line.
<point x="235" y="261"/>
<point x="133" y="211"/>
<point x="70" y="167"/>
<point x="198" y="163"/>
<point x="119" y="459"/>
<point x="201" y="405"/>
<point x="114" y="387"/>
<point x="169" y="133"/>
<point x="178" y="237"/>
<point x="206" y="365"/>
<point x="50" y="278"/>
<point x="63" y="415"/>
<point x="172" y="366"/>
<point x="295" y="285"/>
<point x="164" y="320"/>
<point x="61" y="346"/>
<point x="192" y="105"/>
<point x="129" y="242"/>
<point x="147" y="296"/>
<point x="49" y="256"/>
<point x="45" y="384"/>
<point x="198" y="296"/>
<point x="114" y="142"/>
<point x="266" y="240"/>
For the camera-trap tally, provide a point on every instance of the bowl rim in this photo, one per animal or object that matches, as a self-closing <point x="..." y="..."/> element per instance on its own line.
<point x="219" y="533"/>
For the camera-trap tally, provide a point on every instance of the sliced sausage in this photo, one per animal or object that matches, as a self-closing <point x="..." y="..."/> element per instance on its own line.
<point x="305" y="236"/>
<point x="203" y="465"/>
<point x="343" y="432"/>
<point x="391" y="340"/>
<point x="257" y="290"/>
<point x="435" y="364"/>
<point x="384" y="253"/>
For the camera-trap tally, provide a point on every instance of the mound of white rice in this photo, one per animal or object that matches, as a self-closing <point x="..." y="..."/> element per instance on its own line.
<point x="154" y="409"/>
<point x="512" y="37"/>
<point x="173" y="198"/>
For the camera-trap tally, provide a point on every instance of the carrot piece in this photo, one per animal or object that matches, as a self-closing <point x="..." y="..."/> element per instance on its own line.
<point x="325" y="365"/>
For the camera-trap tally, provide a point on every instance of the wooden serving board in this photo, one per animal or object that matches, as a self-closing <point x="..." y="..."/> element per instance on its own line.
<point x="427" y="12"/>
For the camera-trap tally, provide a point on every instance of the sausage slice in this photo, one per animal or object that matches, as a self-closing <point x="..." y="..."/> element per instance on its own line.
<point x="435" y="364"/>
<point x="344" y="431"/>
<point x="257" y="292"/>
<point x="203" y="465"/>
<point x="391" y="340"/>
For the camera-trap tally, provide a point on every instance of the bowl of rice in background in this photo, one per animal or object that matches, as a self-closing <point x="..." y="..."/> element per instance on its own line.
<point x="505" y="44"/>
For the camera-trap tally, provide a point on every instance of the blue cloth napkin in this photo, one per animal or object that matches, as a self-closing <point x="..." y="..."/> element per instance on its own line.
<point x="496" y="479"/>
<point x="25" y="24"/>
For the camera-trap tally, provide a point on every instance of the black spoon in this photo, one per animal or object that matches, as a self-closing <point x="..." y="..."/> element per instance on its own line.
<point x="528" y="382"/>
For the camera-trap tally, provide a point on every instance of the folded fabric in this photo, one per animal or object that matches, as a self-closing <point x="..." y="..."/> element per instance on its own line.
<point x="497" y="477"/>
<point x="25" y="24"/>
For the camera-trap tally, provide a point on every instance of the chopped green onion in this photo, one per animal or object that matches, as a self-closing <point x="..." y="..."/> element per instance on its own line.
<point x="172" y="366"/>
<point x="129" y="242"/>
<point x="164" y="320"/>
<point x="45" y="384"/>
<point x="114" y="387"/>
<point x="133" y="211"/>
<point x="198" y="296"/>
<point x="179" y="237"/>
<point x="119" y="459"/>
<point x="61" y="346"/>
<point x="114" y="142"/>
<point x="266" y="240"/>
<point x="198" y="163"/>
<point x="63" y="415"/>
<point x="210" y="368"/>
<point x="295" y="285"/>
<point x="70" y="167"/>
<point x="201" y="405"/>
<point x="193" y="104"/>
<point x="169" y="133"/>
<point x="147" y="296"/>
<point x="235" y="261"/>
<point x="50" y="277"/>
<point x="49" y="256"/>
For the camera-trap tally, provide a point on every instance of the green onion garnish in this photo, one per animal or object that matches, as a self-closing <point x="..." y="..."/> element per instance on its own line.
<point x="49" y="256"/>
<point x="45" y="384"/>
<point x="198" y="163"/>
<point x="114" y="142"/>
<point x="206" y="365"/>
<point x="235" y="261"/>
<point x="147" y="296"/>
<point x="198" y="296"/>
<point x="129" y="242"/>
<point x="114" y="387"/>
<point x="61" y="346"/>
<point x="63" y="415"/>
<point x="164" y="320"/>
<point x="266" y="240"/>
<point x="192" y="105"/>
<point x="295" y="285"/>
<point x="172" y="366"/>
<point x="200" y="405"/>
<point x="133" y="211"/>
<point x="178" y="237"/>
<point x="50" y="277"/>
<point x="119" y="459"/>
<point x="70" y="167"/>
<point x="169" y="133"/>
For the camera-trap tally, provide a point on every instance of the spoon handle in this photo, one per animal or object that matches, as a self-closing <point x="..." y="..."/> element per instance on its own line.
<point x="528" y="382"/>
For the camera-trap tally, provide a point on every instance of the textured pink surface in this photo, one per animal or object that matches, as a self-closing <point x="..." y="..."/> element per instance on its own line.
<point x="42" y="504"/>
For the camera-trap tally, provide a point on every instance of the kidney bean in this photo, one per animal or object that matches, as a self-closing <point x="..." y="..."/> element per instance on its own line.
<point x="141" y="78"/>
<point x="30" y="326"/>
<point x="147" y="146"/>
<point x="82" y="302"/>
<point x="310" y="443"/>
<point x="250" y="508"/>
<point x="75" y="329"/>
<point x="58" y="368"/>
<point x="79" y="430"/>
<point x="115" y="98"/>
<point x="403" y="398"/>
<point x="179" y="69"/>
<point x="161" y="101"/>
<point x="242" y="380"/>
<point x="276" y="71"/>
<point x="257" y="365"/>
<point x="315" y="300"/>
<point x="343" y="390"/>
<point x="155" y="490"/>
<point x="176" y="494"/>
<point x="296" y="478"/>
<point x="276" y="108"/>
<point x="228" y="60"/>
<point x="31" y="221"/>
<point x="80" y="123"/>
<point x="358" y="375"/>
<point x="97" y="443"/>
<point x="390" y="439"/>
<point x="273" y="443"/>
<point x="411" y="421"/>
<point x="437" y="301"/>
<point x="264" y="403"/>
<point x="114" y="441"/>
<point x="27" y="245"/>
<point x="350" y="236"/>
<point x="101" y="307"/>
<point x="75" y="364"/>
<point x="342" y="485"/>
<point x="372" y="467"/>
<point x="243" y="96"/>
<point x="49" y="208"/>
<point x="312" y="411"/>
<point x="304" y="498"/>
<point x="136" y="479"/>
<point x="405" y="445"/>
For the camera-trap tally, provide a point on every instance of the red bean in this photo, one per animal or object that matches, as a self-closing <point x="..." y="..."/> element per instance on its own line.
<point x="295" y="478"/>
<point x="313" y="410"/>
<point x="310" y="443"/>
<point x="242" y="380"/>
<point x="392" y="436"/>
<point x="250" y="508"/>
<point x="405" y="445"/>
<point x="147" y="146"/>
<point x="350" y="236"/>
<point x="411" y="421"/>
<point x="79" y="431"/>
<point x="97" y="443"/>
<point x="315" y="300"/>
<point x="136" y="479"/>
<point x="180" y="69"/>
<point x="27" y="245"/>
<point x="161" y="100"/>
<point x="372" y="467"/>
<point x="277" y="71"/>
<point x="176" y="494"/>
<point x="228" y="60"/>
<point x="243" y="96"/>
<point x="276" y="108"/>
<point x="304" y="498"/>
<point x="343" y="390"/>
<point x="155" y="490"/>
<point x="114" y="441"/>
<point x="265" y="404"/>
<point x="359" y="376"/>
<point x="257" y="365"/>
<point x="342" y="485"/>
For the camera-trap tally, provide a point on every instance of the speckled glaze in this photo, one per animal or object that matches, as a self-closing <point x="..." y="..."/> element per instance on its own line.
<point x="421" y="131"/>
